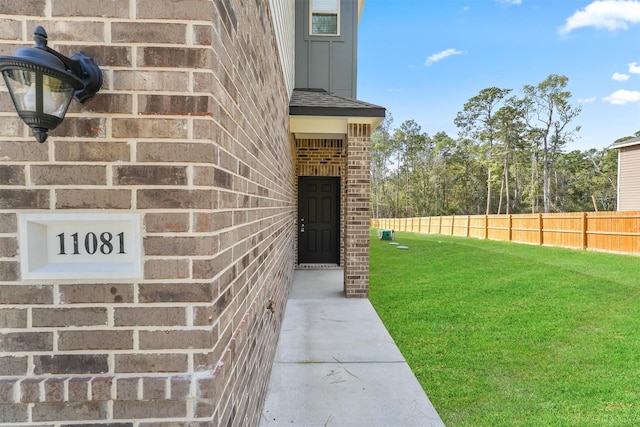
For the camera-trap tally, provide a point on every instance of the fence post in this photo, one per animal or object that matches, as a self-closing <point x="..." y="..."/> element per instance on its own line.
<point x="468" y="225"/>
<point x="429" y="226"/>
<point x="510" y="227"/>
<point x="453" y="223"/>
<point x="420" y="225"/>
<point x="584" y="230"/>
<point x="540" y="234"/>
<point x="486" y="227"/>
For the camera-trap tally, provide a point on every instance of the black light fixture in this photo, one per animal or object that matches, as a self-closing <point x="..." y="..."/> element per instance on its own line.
<point x="42" y="82"/>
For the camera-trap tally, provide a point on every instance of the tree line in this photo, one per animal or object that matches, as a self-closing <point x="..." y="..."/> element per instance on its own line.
<point x="509" y="157"/>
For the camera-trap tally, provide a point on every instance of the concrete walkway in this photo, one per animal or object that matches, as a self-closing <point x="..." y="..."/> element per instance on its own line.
<point x="336" y="364"/>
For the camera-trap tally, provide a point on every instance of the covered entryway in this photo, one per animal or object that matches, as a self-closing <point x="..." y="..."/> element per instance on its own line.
<point x="318" y="220"/>
<point x="330" y="136"/>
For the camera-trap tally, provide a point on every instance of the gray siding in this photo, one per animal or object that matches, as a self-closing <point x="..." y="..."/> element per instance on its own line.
<point x="327" y="62"/>
<point x="629" y="179"/>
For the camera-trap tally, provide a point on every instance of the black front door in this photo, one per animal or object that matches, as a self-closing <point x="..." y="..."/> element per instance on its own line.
<point x="318" y="220"/>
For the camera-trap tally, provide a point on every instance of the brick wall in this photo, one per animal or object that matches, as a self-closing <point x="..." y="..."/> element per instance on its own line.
<point x="191" y="131"/>
<point x="319" y="157"/>
<point x="358" y="182"/>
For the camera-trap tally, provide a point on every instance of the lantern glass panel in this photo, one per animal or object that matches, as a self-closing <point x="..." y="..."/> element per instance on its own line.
<point x="28" y="87"/>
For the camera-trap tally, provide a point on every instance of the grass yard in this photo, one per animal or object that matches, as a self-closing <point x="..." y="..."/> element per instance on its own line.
<point x="505" y="334"/>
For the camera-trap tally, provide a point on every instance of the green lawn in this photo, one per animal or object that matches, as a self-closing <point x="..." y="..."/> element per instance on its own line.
<point x="504" y="334"/>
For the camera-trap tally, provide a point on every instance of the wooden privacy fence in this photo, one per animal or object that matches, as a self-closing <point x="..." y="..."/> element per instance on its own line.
<point x="598" y="231"/>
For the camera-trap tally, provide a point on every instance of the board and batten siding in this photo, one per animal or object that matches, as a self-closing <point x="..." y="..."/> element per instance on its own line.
<point x="328" y="62"/>
<point x="629" y="178"/>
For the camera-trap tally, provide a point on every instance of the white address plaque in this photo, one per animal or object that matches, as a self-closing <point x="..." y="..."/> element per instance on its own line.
<point x="80" y="246"/>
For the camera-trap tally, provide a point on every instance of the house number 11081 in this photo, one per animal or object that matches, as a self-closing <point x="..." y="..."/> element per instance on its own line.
<point x="106" y="243"/>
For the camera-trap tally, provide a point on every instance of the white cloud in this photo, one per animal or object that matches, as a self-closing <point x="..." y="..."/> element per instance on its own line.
<point x="619" y="77"/>
<point x="621" y="97"/>
<point x="441" y="55"/>
<point x="607" y="14"/>
<point x="587" y="100"/>
<point x="510" y="1"/>
<point x="634" y="68"/>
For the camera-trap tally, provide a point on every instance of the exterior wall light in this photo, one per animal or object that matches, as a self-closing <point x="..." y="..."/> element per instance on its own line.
<point x="42" y="82"/>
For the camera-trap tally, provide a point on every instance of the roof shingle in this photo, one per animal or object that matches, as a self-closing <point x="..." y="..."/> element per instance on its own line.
<point x="319" y="102"/>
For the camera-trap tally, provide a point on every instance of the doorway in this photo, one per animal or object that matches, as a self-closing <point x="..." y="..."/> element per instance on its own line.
<point x="318" y="220"/>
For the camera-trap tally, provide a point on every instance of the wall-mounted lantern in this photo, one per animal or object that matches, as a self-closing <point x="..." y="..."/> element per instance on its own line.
<point x="42" y="82"/>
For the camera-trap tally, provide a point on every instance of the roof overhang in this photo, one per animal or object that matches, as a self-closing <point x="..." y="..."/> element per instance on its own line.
<point x="324" y="114"/>
<point x="336" y="111"/>
<point x="628" y="143"/>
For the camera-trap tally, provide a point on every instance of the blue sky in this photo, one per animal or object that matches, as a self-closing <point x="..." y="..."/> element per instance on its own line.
<point x="423" y="59"/>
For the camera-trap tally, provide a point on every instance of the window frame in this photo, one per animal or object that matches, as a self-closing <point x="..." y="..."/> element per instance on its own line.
<point x="313" y="12"/>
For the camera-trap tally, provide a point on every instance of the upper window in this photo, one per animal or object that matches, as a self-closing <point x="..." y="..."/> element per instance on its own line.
<point x="325" y="17"/>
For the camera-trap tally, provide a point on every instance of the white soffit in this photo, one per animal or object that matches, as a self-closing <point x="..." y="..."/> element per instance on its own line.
<point x="318" y="124"/>
<point x="328" y="125"/>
